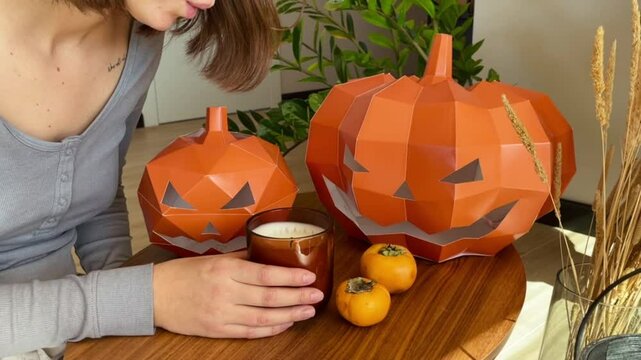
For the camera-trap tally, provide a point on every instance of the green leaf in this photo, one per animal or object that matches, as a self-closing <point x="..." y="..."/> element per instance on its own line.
<point x="386" y="6"/>
<point x="461" y="30"/>
<point x="287" y="36"/>
<point x="372" y="5"/>
<point x="350" y="56"/>
<point x="350" y="25"/>
<point x="232" y="126"/>
<point x="402" y="8"/>
<point x="321" y="18"/>
<point x="427" y="34"/>
<point x="321" y="61"/>
<point x="492" y="75"/>
<point x="403" y="56"/>
<point x="312" y="67"/>
<point x="428" y="6"/>
<point x="256" y="116"/>
<point x="315" y="100"/>
<point x="471" y="50"/>
<point x="272" y="125"/>
<point x="364" y="59"/>
<point x="375" y="19"/>
<point x="334" y="5"/>
<point x="246" y="121"/>
<point x="276" y="67"/>
<point x="296" y="41"/>
<point x="410" y="24"/>
<point x="336" y="32"/>
<point x="339" y="65"/>
<point x="363" y="45"/>
<point x="305" y="59"/>
<point x="274" y="114"/>
<point x="381" y="40"/>
<point x="314" y="78"/>
<point x="295" y="111"/>
<point x="288" y="8"/>
<point x="316" y="32"/>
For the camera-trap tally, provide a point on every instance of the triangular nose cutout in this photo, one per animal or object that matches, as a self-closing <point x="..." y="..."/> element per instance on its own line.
<point x="243" y="198"/>
<point x="350" y="162"/>
<point x="468" y="173"/>
<point x="404" y="192"/>
<point x="210" y="229"/>
<point x="173" y="199"/>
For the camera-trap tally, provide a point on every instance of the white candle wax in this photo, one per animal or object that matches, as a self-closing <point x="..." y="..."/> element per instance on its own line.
<point x="287" y="230"/>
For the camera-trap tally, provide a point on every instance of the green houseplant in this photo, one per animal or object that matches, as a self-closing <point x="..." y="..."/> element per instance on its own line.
<point x="335" y="49"/>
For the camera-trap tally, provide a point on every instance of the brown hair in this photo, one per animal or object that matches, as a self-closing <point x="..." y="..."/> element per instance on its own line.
<point x="235" y="39"/>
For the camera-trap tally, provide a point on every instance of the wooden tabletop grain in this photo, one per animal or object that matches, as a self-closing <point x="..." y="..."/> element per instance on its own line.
<point x="461" y="309"/>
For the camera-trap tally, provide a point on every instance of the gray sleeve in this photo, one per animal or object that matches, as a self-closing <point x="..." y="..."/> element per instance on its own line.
<point x="42" y="314"/>
<point x="104" y="241"/>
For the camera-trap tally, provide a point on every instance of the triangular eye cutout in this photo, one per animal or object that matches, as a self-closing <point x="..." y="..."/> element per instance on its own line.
<point x="173" y="199"/>
<point x="210" y="229"/>
<point x="350" y="162"/>
<point x="404" y="192"/>
<point x="468" y="173"/>
<point x="242" y="199"/>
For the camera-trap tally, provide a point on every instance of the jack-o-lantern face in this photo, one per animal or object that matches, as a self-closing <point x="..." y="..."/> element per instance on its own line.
<point x="197" y="194"/>
<point x="431" y="165"/>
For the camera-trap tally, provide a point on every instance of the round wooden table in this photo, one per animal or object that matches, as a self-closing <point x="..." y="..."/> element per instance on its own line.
<point x="462" y="309"/>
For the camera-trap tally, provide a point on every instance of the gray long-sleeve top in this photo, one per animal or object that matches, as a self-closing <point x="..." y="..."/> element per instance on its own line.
<point x="59" y="195"/>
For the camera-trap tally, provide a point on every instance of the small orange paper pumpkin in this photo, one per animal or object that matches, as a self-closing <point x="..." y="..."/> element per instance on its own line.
<point x="433" y="166"/>
<point x="197" y="193"/>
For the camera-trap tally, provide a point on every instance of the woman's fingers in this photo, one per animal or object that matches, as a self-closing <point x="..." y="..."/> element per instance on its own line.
<point x="260" y="317"/>
<point x="278" y="296"/>
<point x="252" y="332"/>
<point x="267" y="275"/>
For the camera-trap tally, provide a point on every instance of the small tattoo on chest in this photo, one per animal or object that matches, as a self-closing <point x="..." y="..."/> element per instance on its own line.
<point x="118" y="63"/>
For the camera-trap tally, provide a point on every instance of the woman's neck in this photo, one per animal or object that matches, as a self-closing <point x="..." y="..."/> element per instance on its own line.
<point x="49" y="24"/>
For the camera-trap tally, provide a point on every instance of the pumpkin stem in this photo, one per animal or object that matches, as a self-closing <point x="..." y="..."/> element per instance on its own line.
<point x="216" y="119"/>
<point x="439" y="64"/>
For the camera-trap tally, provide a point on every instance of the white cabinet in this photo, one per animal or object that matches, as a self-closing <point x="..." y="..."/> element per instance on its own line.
<point x="179" y="92"/>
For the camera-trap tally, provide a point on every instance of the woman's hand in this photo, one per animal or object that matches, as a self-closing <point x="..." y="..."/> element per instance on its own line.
<point x="226" y="296"/>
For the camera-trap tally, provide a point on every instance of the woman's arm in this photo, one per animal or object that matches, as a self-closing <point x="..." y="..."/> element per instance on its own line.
<point x="42" y="314"/>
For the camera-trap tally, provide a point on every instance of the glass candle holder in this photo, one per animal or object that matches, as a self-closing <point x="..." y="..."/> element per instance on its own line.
<point x="295" y="237"/>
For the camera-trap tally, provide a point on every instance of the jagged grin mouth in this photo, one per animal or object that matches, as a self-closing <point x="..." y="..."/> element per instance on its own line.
<point x="346" y="204"/>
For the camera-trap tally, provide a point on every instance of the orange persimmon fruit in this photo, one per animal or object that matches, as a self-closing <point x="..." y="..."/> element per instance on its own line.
<point x="393" y="266"/>
<point x="363" y="302"/>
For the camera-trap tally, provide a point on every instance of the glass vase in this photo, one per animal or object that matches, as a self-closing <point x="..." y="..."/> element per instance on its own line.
<point x="567" y="307"/>
<point x="611" y="327"/>
<point x="586" y="329"/>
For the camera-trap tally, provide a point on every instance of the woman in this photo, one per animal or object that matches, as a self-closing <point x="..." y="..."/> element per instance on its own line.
<point x="74" y="77"/>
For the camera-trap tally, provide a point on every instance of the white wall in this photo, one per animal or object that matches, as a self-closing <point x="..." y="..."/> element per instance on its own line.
<point x="546" y="45"/>
<point x="179" y="92"/>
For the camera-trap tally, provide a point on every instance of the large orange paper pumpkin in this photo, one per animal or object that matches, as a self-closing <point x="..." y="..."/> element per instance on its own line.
<point x="198" y="192"/>
<point x="431" y="165"/>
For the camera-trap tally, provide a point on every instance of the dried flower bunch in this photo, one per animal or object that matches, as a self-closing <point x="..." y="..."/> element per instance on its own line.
<point x="617" y="211"/>
<point x="617" y="249"/>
